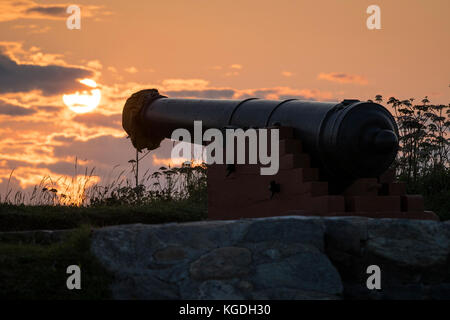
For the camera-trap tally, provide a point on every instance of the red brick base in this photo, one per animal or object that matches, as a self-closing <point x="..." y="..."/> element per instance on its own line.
<point x="296" y="190"/>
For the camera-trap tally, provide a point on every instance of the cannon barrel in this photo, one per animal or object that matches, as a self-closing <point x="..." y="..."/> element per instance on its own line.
<point x="351" y="139"/>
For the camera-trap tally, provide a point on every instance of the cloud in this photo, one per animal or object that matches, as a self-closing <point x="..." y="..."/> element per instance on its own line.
<point x="341" y="77"/>
<point x="207" y="93"/>
<point x="232" y="73"/>
<point x="33" y="55"/>
<point x="30" y="9"/>
<point x="47" y="11"/>
<point x="234" y="70"/>
<point x="49" y="79"/>
<point x="33" y="28"/>
<point x="282" y="93"/>
<point x="184" y="84"/>
<point x="131" y="70"/>
<point x="104" y="151"/>
<point x="13" y="110"/>
<point x="99" y="120"/>
<point x="48" y="109"/>
<point x="199" y="88"/>
<point x="287" y="74"/>
<point x="58" y="175"/>
<point x="61" y="167"/>
<point x="102" y="161"/>
<point x="95" y="64"/>
<point x="63" y="138"/>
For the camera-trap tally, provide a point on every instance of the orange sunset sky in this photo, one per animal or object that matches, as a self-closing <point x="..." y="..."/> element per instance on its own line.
<point x="319" y="50"/>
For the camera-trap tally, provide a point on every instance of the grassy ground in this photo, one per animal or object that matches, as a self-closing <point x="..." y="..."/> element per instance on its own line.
<point x="18" y="218"/>
<point x="30" y="271"/>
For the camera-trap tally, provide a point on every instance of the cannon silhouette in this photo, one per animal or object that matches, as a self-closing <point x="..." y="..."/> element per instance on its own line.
<point x="334" y="155"/>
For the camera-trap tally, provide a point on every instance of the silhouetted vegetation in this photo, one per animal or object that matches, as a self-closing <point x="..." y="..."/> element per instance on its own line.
<point x="167" y="195"/>
<point x="423" y="159"/>
<point x="187" y="182"/>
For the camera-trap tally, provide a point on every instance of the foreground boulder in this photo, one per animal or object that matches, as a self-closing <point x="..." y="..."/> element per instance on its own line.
<point x="277" y="258"/>
<point x="413" y="255"/>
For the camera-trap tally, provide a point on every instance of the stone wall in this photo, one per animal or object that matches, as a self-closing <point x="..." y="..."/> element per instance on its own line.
<point x="290" y="257"/>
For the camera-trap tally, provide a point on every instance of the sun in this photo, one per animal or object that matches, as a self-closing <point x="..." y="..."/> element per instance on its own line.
<point x="86" y="101"/>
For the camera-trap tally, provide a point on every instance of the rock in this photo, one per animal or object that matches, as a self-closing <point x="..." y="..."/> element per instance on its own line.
<point x="222" y="263"/>
<point x="218" y="290"/>
<point x="170" y="254"/>
<point x="412" y="255"/>
<point x="408" y="243"/>
<point x="287" y="230"/>
<point x="440" y="291"/>
<point x="346" y="234"/>
<point x="277" y="258"/>
<point x="305" y="271"/>
<point x="245" y="286"/>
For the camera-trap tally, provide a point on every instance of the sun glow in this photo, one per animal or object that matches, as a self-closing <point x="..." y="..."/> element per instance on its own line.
<point x="86" y="101"/>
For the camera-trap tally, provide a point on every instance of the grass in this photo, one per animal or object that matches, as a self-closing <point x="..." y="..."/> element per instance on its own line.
<point x="33" y="271"/>
<point x="168" y="195"/>
<point x="84" y="190"/>
<point x="30" y="272"/>
<point x="434" y="185"/>
<point x="439" y="203"/>
<point x="21" y="217"/>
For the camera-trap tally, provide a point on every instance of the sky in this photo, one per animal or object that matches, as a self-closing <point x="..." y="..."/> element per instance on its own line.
<point x="313" y="50"/>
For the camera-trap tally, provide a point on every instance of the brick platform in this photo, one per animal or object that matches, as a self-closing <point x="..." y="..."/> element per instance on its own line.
<point x="296" y="190"/>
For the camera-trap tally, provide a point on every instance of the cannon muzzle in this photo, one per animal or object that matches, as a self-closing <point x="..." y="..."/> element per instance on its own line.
<point x="349" y="139"/>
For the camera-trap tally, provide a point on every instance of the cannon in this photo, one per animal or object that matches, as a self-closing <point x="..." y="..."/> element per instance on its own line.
<point x="344" y="151"/>
<point x="349" y="139"/>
